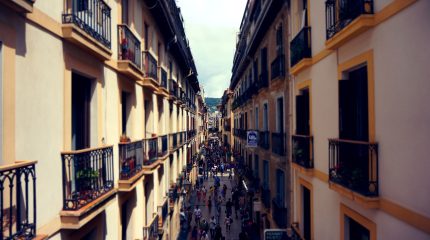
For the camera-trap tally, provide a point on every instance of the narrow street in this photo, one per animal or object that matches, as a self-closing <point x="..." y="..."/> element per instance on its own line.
<point x="208" y="211"/>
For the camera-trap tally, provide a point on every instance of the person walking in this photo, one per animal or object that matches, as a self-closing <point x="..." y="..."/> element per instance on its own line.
<point x="194" y="233"/>
<point x="218" y="233"/>
<point x="212" y="226"/>
<point x="204" y="236"/>
<point x="204" y="191"/>
<point x="228" y="221"/>
<point x="197" y="215"/>
<point x="228" y="207"/>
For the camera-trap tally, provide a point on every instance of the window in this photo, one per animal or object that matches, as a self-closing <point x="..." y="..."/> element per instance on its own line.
<point x="353" y="106"/>
<point x="1" y="104"/>
<point x="280" y="187"/>
<point x="81" y="104"/>
<point x="124" y="11"/>
<point x="266" y="174"/>
<point x="256" y="119"/>
<point x="306" y="206"/>
<point x="146" y="37"/>
<point x="263" y="62"/>
<point x="280" y="115"/>
<point x="279" y="40"/>
<point x="256" y="166"/>
<point x="265" y="119"/>
<point x="302" y="113"/>
<point x="354" y="230"/>
<point x="153" y="44"/>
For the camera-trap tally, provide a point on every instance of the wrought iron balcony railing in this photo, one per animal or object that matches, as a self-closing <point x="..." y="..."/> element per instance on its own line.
<point x="87" y="175"/>
<point x="263" y="140"/>
<point x="18" y="200"/>
<point x="279" y="213"/>
<point x="163" y="79"/>
<point x="301" y="46"/>
<point x="303" y="150"/>
<point x="354" y="165"/>
<point x="341" y="13"/>
<point x="173" y="88"/>
<point x="278" y="143"/>
<point x="181" y="138"/>
<point x="163" y="146"/>
<point x="128" y="46"/>
<point x="130" y="159"/>
<point x="149" y="66"/>
<point x="173" y="140"/>
<point x="278" y="67"/>
<point x="93" y="17"/>
<point x="150" y="232"/>
<point x="151" y="150"/>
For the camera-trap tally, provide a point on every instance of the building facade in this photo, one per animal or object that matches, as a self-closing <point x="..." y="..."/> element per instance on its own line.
<point x="349" y="60"/>
<point x="260" y="102"/>
<point x="349" y="116"/>
<point x="102" y="101"/>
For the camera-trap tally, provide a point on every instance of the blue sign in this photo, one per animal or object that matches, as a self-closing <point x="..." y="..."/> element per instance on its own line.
<point x="252" y="139"/>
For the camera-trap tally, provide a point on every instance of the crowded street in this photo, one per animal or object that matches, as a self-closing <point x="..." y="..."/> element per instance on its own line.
<point x="216" y="207"/>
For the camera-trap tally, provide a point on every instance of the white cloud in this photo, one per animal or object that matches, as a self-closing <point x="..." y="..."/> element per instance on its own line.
<point x="211" y="27"/>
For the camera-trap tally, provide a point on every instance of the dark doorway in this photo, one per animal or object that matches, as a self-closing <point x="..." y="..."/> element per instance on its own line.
<point x="306" y="213"/>
<point x="356" y="230"/>
<point x="302" y="113"/>
<point x="81" y="99"/>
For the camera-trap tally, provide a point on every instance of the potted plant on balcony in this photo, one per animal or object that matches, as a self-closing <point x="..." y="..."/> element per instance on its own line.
<point x="124" y="138"/>
<point x="85" y="178"/>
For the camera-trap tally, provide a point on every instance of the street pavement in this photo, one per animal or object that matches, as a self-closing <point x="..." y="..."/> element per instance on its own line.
<point x="207" y="213"/>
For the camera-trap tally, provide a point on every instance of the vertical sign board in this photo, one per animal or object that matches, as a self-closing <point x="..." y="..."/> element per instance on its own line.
<point x="276" y="234"/>
<point x="251" y="139"/>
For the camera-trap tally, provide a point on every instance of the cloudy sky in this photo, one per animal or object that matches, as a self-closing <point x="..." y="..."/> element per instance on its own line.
<point x="211" y="27"/>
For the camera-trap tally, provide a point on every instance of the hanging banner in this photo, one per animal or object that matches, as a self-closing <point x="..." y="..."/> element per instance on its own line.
<point x="252" y="139"/>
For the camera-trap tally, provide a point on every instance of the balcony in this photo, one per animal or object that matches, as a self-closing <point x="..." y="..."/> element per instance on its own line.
<point x="265" y="196"/>
<point x="88" y="182"/>
<point x="263" y="140"/>
<point x="278" y="144"/>
<point x="163" y="211"/>
<point x="150" y="231"/>
<point x="150" y="153"/>
<point x="21" y="6"/>
<point x="150" y="75"/>
<point x="173" y="89"/>
<point x="181" y="138"/>
<point x="163" y="146"/>
<point x="163" y="79"/>
<point x="303" y="151"/>
<point x="173" y="141"/>
<point x="88" y="25"/>
<point x="129" y="54"/>
<point x="354" y="165"/>
<point x="347" y="19"/>
<point x="301" y="51"/>
<point x="18" y="200"/>
<point x="278" y="67"/>
<point x="130" y="164"/>
<point x="279" y="213"/>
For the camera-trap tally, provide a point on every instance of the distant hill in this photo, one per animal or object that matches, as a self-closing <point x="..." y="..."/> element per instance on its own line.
<point x="212" y="103"/>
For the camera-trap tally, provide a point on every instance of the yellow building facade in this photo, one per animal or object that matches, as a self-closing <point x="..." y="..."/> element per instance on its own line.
<point x="102" y="112"/>
<point x="354" y="132"/>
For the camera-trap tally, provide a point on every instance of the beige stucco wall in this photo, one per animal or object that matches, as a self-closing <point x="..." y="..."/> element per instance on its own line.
<point x="400" y="119"/>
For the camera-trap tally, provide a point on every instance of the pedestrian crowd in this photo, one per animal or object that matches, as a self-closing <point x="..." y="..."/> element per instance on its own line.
<point x="213" y="164"/>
